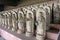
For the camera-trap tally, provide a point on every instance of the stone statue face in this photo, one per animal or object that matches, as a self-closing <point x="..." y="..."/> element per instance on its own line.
<point x="30" y="15"/>
<point x="40" y="15"/>
<point x="46" y="11"/>
<point x="6" y="16"/>
<point x="13" y="16"/>
<point x="20" y="17"/>
<point x="29" y="18"/>
<point x="41" y="18"/>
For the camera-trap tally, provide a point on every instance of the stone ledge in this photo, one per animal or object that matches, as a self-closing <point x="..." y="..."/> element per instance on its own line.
<point x="9" y="35"/>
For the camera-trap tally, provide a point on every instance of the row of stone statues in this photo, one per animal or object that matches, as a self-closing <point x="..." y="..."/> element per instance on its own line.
<point x="31" y="20"/>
